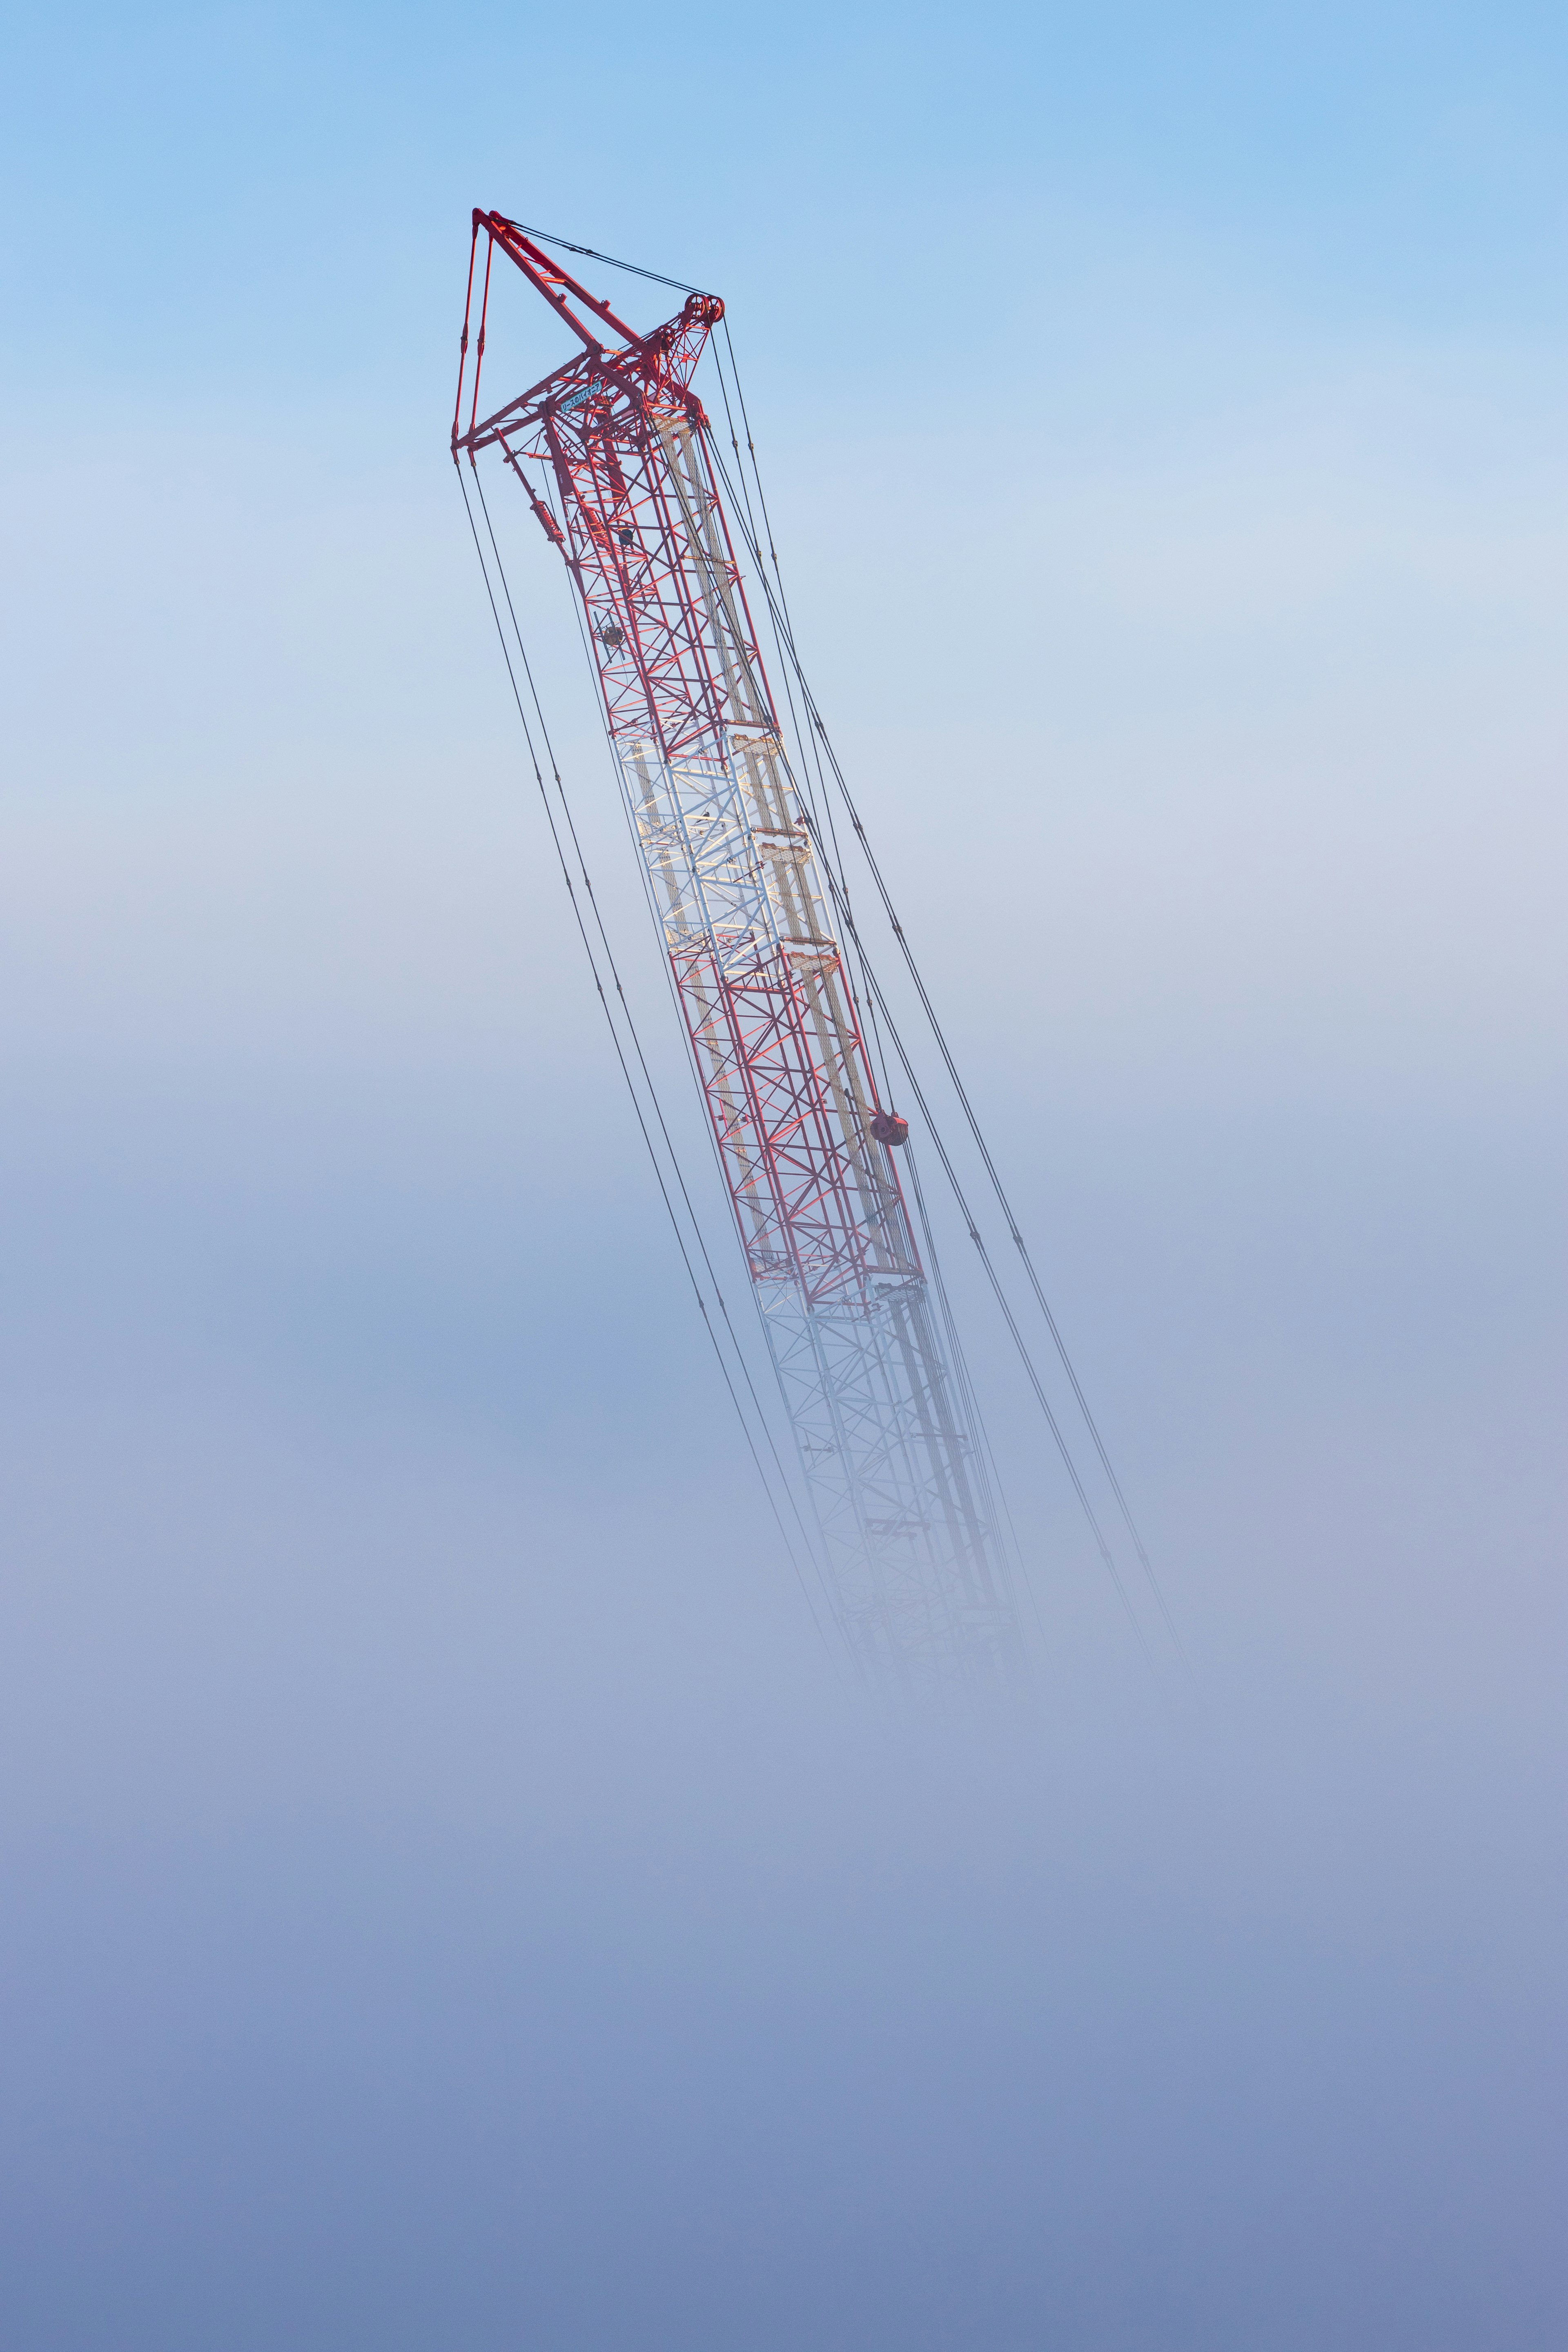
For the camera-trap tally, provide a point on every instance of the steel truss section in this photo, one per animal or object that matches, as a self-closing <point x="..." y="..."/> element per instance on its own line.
<point x="613" y="453"/>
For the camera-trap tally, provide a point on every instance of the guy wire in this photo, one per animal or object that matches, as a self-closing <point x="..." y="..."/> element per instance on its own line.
<point x="626" y="1072"/>
<point x="853" y="950"/>
<point x="817" y="732"/>
<point x="648" y="899"/>
<point x="839" y="895"/>
<point x="627" y="1016"/>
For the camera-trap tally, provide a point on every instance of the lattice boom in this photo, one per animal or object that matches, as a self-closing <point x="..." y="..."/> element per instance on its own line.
<point x="612" y="450"/>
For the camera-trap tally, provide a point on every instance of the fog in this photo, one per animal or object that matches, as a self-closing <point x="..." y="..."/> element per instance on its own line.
<point x="452" y="1895"/>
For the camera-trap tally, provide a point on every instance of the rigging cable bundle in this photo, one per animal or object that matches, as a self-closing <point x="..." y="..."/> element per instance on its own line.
<point x="739" y="856"/>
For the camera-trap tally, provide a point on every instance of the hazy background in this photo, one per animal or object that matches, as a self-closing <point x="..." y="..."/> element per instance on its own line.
<point x="450" y="1903"/>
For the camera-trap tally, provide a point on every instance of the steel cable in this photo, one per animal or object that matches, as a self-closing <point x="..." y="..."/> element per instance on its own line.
<point x="817" y="732"/>
<point x="626" y="1008"/>
<point x="626" y="1074"/>
<point x="814" y="734"/>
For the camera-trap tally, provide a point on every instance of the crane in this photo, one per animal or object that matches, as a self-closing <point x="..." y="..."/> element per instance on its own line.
<point x="614" y="451"/>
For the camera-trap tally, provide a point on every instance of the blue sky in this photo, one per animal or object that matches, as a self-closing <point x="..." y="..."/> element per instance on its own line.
<point x="448" y="1901"/>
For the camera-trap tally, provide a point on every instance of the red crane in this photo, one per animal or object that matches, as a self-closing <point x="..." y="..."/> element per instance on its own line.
<point x="613" y="451"/>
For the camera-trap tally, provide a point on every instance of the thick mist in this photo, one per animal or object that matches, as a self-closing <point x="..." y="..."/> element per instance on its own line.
<point x="451" y="1897"/>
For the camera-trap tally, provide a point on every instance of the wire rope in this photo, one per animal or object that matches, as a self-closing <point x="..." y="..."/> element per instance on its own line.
<point x="839" y="893"/>
<point x="863" y="998"/>
<point x="997" y="1494"/>
<point x="817" y="732"/>
<point x="625" y="1070"/>
<point x="546" y="237"/>
<point x="877" y="1001"/>
<point x="1107" y="1557"/>
<point x="627" y="1012"/>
